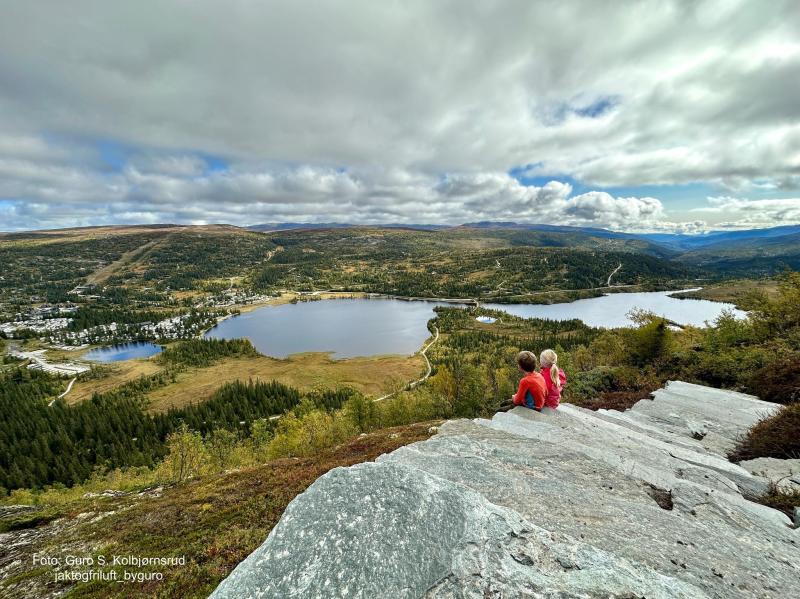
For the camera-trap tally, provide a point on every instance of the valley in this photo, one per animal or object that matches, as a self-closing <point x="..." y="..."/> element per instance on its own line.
<point x="208" y="414"/>
<point x="163" y="284"/>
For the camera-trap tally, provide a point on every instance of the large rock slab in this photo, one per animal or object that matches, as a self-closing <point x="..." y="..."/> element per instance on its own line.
<point x="566" y="503"/>
<point x="725" y="415"/>
<point x="394" y="531"/>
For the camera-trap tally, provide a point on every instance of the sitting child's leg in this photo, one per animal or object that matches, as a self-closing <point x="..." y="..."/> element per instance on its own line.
<point x="505" y="406"/>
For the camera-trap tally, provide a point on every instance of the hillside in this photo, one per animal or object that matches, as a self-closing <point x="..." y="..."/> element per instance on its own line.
<point x="750" y="252"/>
<point x="168" y="265"/>
<point x="749" y="255"/>
<point x="678" y="242"/>
<point x="146" y="273"/>
<point x="136" y="265"/>
<point x="214" y="521"/>
<point x="210" y="479"/>
<point x="568" y="502"/>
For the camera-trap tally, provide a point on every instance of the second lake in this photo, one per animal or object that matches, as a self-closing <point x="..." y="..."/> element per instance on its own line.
<point x="611" y="311"/>
<point x="122" y="351"/>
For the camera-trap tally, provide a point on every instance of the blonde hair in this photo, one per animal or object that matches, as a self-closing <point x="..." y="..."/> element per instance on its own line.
<point x="549" y="359"/>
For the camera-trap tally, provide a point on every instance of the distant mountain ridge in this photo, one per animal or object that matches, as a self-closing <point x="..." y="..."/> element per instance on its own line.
<point x="268" y="227"/>
<point x="680" y="241"/>
<point x="677" y="241"/>
<point x="721" y="238"/>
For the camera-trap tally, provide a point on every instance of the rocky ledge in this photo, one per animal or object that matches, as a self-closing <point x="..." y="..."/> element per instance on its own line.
<point x="565" y="503"/>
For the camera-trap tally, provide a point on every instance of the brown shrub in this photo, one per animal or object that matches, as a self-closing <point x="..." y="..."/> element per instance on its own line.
<point x="776" y="436"/>
<point x="778" y="383"/>
<point x="784" y="501"/>
<point x="614" y="400"/>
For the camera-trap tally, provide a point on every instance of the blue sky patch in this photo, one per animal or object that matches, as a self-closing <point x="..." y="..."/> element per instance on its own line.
<point x="214" y="164"/>
<point x="115" y="155"/>
<point x="597" y="108"/>
<point x="685" y="196"/>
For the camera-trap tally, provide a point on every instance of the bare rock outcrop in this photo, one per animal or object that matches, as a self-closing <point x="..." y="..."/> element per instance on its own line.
<point x="567" y="503"/>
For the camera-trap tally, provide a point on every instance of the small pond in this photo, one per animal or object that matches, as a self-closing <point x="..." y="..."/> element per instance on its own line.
<point x="122" y="351"/>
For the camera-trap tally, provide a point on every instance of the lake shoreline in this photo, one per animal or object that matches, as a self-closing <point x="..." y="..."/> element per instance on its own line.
<point x="359" y="327"/>
<point x="289" y="297"/>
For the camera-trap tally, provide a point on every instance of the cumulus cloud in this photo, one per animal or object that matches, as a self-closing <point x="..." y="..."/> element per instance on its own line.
<point x="743" y="212"/>
<point x="305" y="194"/>
<point x="385" y="110"/>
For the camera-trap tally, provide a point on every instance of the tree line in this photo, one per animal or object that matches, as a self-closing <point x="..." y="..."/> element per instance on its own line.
<point x="45" y="441"/>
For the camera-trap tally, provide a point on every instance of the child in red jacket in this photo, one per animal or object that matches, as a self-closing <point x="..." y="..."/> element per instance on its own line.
<point x="554" y="378"/>
<point x="532" y="390"/>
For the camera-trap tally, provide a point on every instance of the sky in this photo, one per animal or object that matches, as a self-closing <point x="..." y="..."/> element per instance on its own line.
<point x="667" y="115"/>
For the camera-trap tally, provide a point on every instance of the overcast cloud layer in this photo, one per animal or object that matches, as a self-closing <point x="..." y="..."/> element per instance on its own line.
<point x="632" y="115"/>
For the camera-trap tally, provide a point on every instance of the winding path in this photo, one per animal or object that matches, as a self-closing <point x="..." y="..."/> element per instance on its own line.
<point x="69" y="388"/>
<point x="412" y="384"/>
<point x="616" y="270"/>
<point x="424" y="353"/>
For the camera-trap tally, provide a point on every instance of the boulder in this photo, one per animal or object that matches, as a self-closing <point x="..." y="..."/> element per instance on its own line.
<point x="567" y="503"/>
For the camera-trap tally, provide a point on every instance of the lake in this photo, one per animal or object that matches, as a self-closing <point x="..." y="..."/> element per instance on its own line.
<point x="345" y="327"/>
<point x="370" y="327"/>
<point x="122" y="351"/>
<point x="611" y="310"/>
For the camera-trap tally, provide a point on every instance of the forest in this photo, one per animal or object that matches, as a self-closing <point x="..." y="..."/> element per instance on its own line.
<point x="493" y="265"/>
<point x="44" y="442"/>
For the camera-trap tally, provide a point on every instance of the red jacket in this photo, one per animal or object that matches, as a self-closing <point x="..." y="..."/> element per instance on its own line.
<point x="553" y="392"/>
<point x="532" y="391"/>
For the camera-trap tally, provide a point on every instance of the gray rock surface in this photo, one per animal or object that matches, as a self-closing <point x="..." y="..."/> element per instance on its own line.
<point x="565" y="503"/>
<point x="784" y="473"/>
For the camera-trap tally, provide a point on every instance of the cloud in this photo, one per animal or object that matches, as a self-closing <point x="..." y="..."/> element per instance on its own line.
<point x="303" y="193"/>
<point x="153" y="188"/>
<point x="393" y="109"/>
<point x="743" y="212"/>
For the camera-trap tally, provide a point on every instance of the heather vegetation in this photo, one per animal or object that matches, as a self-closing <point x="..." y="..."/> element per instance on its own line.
<point x="214" y="519"/>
